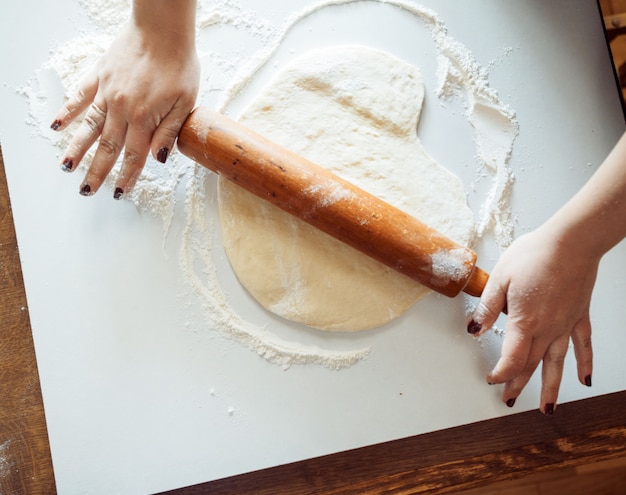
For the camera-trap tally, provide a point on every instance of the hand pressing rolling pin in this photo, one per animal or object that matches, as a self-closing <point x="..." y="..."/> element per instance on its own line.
<point x="145" y="86"/>
<point x="137" y="96"/>
<point x="545" y="280"/>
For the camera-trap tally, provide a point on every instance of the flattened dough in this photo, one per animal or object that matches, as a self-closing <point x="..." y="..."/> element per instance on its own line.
<point x="355" y="111"/>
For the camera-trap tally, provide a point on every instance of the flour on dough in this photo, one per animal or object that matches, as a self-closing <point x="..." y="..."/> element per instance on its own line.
<point x="353" y="110"/>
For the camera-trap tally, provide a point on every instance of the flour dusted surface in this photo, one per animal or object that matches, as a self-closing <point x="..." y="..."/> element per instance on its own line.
<point x="459" y="76"/>
<point x="354" y="111"/>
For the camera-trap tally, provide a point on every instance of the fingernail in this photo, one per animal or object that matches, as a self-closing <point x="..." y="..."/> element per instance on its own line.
<point x="510" y="402"/>
<point x="85" y="190"/>
<point x="474" y="327"/>
<point x="67" y="165"/>
<point x="548" y="409"/>
<point x="55" y="125"/>
<point x="118" y="193"/>
<point x="162" y="154"/>
<point x="588" y="380"/>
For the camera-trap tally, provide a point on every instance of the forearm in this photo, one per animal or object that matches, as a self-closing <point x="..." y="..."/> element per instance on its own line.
<point x="170" y="20"/>
<point x="594" y="220"/>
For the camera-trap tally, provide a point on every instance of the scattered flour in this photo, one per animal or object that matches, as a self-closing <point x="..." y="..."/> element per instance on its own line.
<point x="5" y="464"/>
<point x="458" y="76"/>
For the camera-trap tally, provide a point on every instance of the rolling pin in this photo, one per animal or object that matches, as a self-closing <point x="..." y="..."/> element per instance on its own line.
<point x="330" y="203"/>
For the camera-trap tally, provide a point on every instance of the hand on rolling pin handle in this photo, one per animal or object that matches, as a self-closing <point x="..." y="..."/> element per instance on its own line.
<point x="546" y="279"/>
<point x="138" y="95"/>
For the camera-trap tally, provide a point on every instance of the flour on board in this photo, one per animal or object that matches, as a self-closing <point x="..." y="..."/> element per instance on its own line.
<point x="458" y="75"/>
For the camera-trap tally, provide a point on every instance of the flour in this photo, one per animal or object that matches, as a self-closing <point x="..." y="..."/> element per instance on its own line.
<point x="458" y="76"/>
<point x="452" y="265"/>
<point x="107" y="15"/>
<point x="5" y="465"/>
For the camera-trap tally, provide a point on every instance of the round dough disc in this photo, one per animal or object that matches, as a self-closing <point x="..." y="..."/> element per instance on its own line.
<point x="353" y="110"/>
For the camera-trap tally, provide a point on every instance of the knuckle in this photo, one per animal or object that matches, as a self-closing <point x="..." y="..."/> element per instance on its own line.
<point x="133" y="160"/>
<point x="140" y="117"/>
<point x="556" y="360"/>
<point x="485" y="313"/>
<point x="109" y="147"/>
<point x="80" y="95"/>
<point x="555" y="356"/>
<point x="94" y="118"/>
<point x="169" y="132"/>
<point x="119" y="98"/>
<point x="514" y="364"/>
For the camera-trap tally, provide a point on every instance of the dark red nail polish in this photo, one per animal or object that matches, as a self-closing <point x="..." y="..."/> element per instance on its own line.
<point x="588" y="380"/>
<point x="118" y="193"/>
<point x="510" y="402"/>
<point x="548" y="409"/>
<point x="474" y="327"/>
<point x="67" y="165"/>
<point x="55" y="125"/>
<point x="85" y="190"/>
<point x="162" y="154"/>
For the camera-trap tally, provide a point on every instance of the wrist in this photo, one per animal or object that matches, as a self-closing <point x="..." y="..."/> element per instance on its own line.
<point x="582" y="235"/>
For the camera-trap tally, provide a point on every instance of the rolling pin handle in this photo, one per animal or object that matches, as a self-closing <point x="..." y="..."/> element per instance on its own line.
<point x="476" y="282"/>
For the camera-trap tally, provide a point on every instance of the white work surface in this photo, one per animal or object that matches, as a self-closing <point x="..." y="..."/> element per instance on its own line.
<point x="140" y="396"/>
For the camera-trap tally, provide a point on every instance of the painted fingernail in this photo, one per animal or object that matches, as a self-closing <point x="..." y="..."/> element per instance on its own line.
<point x="588" y="380"/>
<point x="117" y="194"/>
<point x="67" y="165"/>
<point x="56" y="124"/>
<point x="85" y="190"/>
<point x="474" y="327"/>
<point x="510" y="402"/>
<point x="162" y="154"/>
<point x="548" y="409"/>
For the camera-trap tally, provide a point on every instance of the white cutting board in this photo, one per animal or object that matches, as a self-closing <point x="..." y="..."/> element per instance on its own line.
<point x="140" y="397"/>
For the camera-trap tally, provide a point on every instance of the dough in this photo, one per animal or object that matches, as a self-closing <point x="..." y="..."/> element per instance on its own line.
<point x="355" y="111"/>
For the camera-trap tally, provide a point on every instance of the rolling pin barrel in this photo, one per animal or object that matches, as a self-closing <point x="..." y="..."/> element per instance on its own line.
<point x="330" y="203"/>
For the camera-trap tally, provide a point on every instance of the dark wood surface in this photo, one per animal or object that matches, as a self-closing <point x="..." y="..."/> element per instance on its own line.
<point x="440" y="462"/>
<point x="454" y="459"/>
<point x="25" y="463"/>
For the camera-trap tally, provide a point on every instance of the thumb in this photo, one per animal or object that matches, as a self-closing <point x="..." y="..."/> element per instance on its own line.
<point x="491" y="304"/>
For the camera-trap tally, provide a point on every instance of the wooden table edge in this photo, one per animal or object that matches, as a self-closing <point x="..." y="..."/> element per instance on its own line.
<point x="25" y="460"/>
<point x="443" y="461"/>
<point x="454" y="459"/>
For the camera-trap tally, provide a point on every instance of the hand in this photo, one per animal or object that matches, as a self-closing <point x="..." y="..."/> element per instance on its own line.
<point x="138" y="97"/>
<point x="545" y="286"/>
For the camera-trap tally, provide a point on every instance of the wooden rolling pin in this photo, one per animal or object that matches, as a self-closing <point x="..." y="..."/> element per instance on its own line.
<point x="330" y="203"/>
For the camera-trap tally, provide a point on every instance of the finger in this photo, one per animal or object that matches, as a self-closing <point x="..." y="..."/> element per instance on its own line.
<point x="109" y="149"/>
<point x="168" y="129"/>
<point x="86" y="134"/>
<point x="78" y="102"/>
<point x="516" y="351"/>
<point x="514" y="387"/>
<point x="581" y="338"/>
<point x="136" y="150"/>
<point x="552" y="373"/>
<point x="489" y="307"/>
